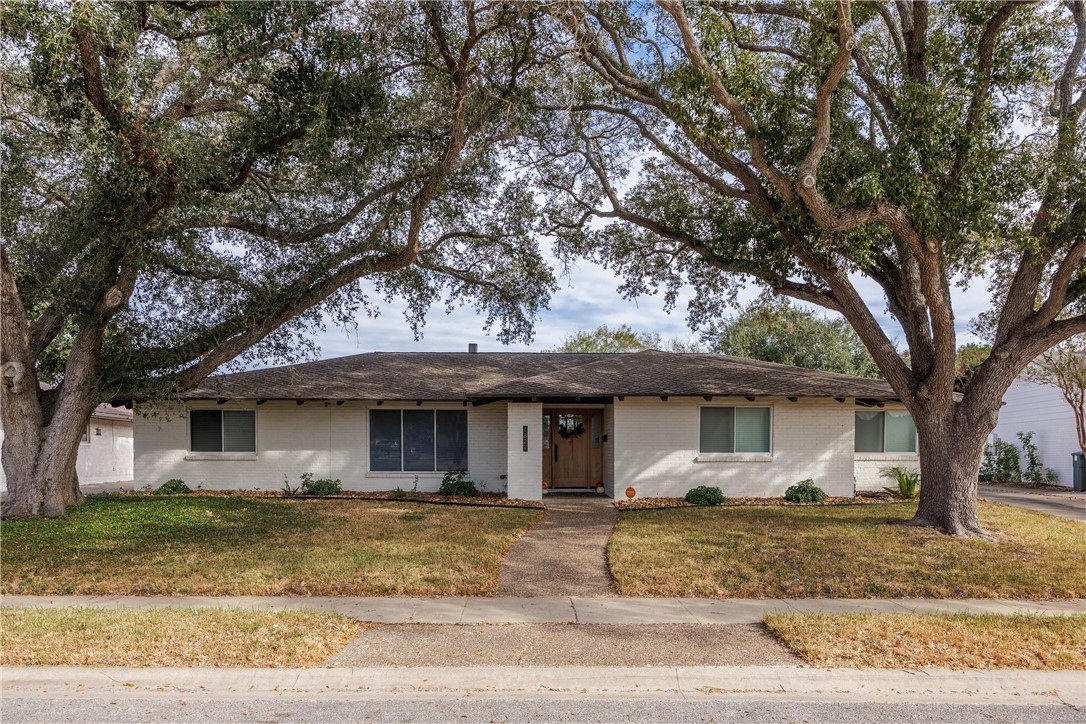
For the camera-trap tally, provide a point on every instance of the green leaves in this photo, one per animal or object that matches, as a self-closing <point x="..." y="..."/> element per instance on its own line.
<point x="244" y="165"/>
<point x="775" y="331"/>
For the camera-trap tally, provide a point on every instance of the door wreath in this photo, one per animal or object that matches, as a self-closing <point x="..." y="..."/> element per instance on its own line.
<point x="567" y="433"/>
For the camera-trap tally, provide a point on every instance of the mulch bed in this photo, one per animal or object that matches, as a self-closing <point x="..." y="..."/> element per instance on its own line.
<point x="864" y="497"/>
<point x="482" y="500"/>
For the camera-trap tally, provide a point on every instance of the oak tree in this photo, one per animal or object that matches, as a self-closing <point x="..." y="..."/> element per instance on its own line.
<point x="190" y="183"/>
<point x="810" y="146"/>
<point x="778" y="331"/>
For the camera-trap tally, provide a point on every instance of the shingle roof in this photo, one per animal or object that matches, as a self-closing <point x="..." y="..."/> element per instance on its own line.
<point x="112" y="412"/>
<point x="497" y="375"/>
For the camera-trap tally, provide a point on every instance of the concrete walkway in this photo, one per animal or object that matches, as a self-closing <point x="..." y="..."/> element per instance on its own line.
<point x="1067" y="504"/>
<point x="581" y="683"/>
<point x="565" y="554"/>
<point x="564" y="609"/>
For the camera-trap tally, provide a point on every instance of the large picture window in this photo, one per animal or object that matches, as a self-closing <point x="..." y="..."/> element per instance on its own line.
<point x="418" y="440"/>
<point x="222" y="431"/>
<point x="885" y="432"/>
<point x="735" y="430"/>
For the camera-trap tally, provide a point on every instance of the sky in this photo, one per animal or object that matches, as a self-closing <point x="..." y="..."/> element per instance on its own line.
<point x="585" y="299"/>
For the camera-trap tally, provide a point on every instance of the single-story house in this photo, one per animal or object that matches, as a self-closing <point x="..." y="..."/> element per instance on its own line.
<point x="1032" y="407"/>
<point x="647" y="423"/>
<point x="105" y="450"/>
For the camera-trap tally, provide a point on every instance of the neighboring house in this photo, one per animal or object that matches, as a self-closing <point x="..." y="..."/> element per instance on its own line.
<point x="659" y="423"/>
<point x="105" y="452"/>
<point x="1040" y="409"/>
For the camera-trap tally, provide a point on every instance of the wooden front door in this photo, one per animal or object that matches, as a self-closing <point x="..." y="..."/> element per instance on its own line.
<point x="575" y="446"/>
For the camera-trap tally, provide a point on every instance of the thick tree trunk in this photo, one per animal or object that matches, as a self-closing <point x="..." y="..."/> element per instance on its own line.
<point x="950" y="451"/>
<point x="40" y="445"/>
<point x="40" y="460"/>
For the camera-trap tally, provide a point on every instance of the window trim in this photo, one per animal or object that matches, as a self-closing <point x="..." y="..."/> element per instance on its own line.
<point x="737" y="456"/>
<point x="885" y="454"/>
<point x="191" y="454"/>
<point x="371" y="473"/>
<point x="87" y="433"/>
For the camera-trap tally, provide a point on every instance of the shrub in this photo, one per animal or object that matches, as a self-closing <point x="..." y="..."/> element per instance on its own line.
<point x="805" y="491"/>
<point x="1035" y="471"/>
<point x="456" y="483"/>
<point x="173" y="487"/>
<point x="907" y="479"/>
<point x="1001" y="462"/>
<point x="319" y="486"/>
<point x="399" y="492"/>
<point x="704" y="495"/>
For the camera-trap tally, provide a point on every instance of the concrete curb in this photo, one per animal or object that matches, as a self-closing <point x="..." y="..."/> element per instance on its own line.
<point x="574" y="610"/>
<point x="755" y="682"/>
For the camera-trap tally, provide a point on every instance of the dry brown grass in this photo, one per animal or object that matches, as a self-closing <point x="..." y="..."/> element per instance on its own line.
<point x="959" y="641"/>
<point x="170" y="637"/>
<point x="231" y="546"/>
<point x="843" y="552"/>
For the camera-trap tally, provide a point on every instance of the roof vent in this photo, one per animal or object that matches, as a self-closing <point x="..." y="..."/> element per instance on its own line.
<point x="473" y="348"/>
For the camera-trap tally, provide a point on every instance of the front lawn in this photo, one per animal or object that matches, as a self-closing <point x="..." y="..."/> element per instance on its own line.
<point x="959" y="641"/>
<point x="225" y="546"/>
<point x="170" y="637"/>
<point x="861" y="551"/>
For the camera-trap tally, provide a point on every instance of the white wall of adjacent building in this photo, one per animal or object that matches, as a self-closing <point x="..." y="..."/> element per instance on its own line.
<point x="1040" y="409"/>
<point x="105" y="456"/>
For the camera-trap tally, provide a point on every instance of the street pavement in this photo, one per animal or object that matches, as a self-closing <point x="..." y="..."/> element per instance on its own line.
<point x="1065" y="504"/>
<point x="733" y="694"/>
<point x="469" y="710"/>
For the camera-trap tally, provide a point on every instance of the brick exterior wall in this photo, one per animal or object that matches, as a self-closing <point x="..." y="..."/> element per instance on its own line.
<point x="321" y="438"/>
<point x="656" y="448"/>
<point x="525" y="468"/>
<point x="652" y="446"/>
<point x="868" y="466"/>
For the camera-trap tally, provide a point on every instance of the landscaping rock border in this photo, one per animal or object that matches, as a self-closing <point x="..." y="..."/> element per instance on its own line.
<point x="483" y="500"/>
<point x="862" y="498"/>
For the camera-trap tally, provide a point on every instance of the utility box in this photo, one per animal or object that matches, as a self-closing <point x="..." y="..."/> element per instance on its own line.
<point x="1078" y="467"/>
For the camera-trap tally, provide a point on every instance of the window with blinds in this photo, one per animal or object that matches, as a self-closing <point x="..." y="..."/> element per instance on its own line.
<point x="222" y="431"/>
<point x="735" y="430"/>
<point x="418" y="440"/>
<point x="886" y="431"/>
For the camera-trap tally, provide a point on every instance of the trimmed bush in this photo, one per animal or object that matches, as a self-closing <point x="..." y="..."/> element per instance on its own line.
<point x="173" y="487"/>
<point x="805" y="491"/>
<point x="319" y="486"/>
<point x="456" y="483"/>
<point x="704" y="495"/>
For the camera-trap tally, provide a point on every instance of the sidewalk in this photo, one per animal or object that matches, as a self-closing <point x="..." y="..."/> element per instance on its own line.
<point x="721" y="683"/>
<point x="502" y="610"/>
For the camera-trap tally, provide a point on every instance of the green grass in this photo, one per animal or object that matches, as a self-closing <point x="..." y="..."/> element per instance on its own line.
<point x="170" y="637"/>
<point x="861" y="551"/>
<point x="145" y="545"/>
<point x="940" y="641"/>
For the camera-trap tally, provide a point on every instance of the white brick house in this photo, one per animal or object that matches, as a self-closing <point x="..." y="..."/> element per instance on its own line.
<point x="652" y="422"/>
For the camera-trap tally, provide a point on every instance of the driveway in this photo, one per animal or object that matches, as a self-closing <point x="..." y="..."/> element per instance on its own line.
<point x="1056" y="502"/>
